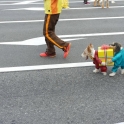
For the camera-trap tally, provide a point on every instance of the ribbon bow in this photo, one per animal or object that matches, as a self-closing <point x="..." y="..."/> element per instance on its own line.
<point x="105" y="47"/>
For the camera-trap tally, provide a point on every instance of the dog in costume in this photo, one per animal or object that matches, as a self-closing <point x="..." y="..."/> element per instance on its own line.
<point x="93" y="54"/>
<point x="118" y="58"/>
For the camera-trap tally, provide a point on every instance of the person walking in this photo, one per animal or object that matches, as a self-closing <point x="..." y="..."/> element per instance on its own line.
<point x="65" y="4"/>
<point x="53" y="9"/>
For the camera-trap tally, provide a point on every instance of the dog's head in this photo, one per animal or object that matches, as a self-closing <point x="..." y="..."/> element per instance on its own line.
<point x="115" y="46"/>
<point x="87" y="52"/>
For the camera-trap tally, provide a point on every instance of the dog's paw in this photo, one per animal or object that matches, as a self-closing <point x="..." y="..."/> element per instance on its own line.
<point x="104" y="73"/>
<point x="96" y="70"/>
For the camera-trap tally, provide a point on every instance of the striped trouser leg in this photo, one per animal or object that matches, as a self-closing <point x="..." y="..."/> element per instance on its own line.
<point x="49" y="33"/>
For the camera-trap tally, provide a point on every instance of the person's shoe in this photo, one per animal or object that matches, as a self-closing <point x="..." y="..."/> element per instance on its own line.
<point x="112" y="74"/>
<point x="96" y="70"/>
<point x="66" y="51"/>
<point x="45" y="54"/>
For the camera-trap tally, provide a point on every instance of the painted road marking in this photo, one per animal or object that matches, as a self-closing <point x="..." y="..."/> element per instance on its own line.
<point x="21" y="3"/>
<point x="42" y="9"/>
<point x="8" y="1"/>
<point x="27" y="2"/>
<point x="120" y="123"/>
<point x="42" y="1"/>
<point x="35" y="41"/>
<point x="14" y="4"/>
<point x="41" y="41"/>
<point x="74" y="19"/>
<point x="31" y="8"/>
<point x="45" y="67"/>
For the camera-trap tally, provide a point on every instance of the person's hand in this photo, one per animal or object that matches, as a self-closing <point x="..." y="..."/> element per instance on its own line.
<point x="103" y="63"/>
<point x="109" y="61"/>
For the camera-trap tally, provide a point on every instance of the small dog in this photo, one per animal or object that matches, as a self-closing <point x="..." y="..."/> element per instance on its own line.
<point x="118" y="58"/>
<point x="93" y="54"/>
<point x="97" y="3"/>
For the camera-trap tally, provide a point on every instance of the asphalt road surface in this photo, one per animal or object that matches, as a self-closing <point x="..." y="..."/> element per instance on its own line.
<point x="35" y="90"/>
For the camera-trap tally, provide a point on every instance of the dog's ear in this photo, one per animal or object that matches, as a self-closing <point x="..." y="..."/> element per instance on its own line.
<point x="91" y="45"/>
<point x="88" y="49"/>
<point x="117" y="44"/>
<point x="117" y="49"/>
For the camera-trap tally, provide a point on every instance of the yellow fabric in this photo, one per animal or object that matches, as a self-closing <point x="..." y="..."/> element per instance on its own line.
<point x="105" y="55"/>
<point x="52" y="6"/>
<point x="106" y="61"/>
<point x="65" y="3"/>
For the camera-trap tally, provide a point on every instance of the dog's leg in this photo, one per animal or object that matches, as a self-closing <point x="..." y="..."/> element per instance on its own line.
<point x="107" y="3"/>
<point x="95" y="2"/>
<point x="96" y="70"/>
<point x="102" y="3"/>
<point x="104" y="73"/>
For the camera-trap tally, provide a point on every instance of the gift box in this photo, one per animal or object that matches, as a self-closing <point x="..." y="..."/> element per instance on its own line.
<point x="105" y="55"/>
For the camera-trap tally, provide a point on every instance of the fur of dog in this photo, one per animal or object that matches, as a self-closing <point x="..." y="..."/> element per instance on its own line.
<point x="93" y="54"/>
<point x="116" y="47"/>
<point x="97" y="3"/>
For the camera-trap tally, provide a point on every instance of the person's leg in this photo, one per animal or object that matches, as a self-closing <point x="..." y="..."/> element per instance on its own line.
<point x="50" y="50"/>
<point x="50" y="36"/>
<point x="50" y="47"/>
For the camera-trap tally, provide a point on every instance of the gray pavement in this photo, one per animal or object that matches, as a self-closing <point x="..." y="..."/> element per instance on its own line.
<point x="59" y="96"/>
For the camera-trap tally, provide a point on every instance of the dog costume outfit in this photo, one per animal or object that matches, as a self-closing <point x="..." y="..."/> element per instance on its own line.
<point x="97" y="63"/>
<point x="118" y="60"/>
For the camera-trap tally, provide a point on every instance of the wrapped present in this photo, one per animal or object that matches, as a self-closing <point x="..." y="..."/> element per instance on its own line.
<point x="105" y="54"/>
